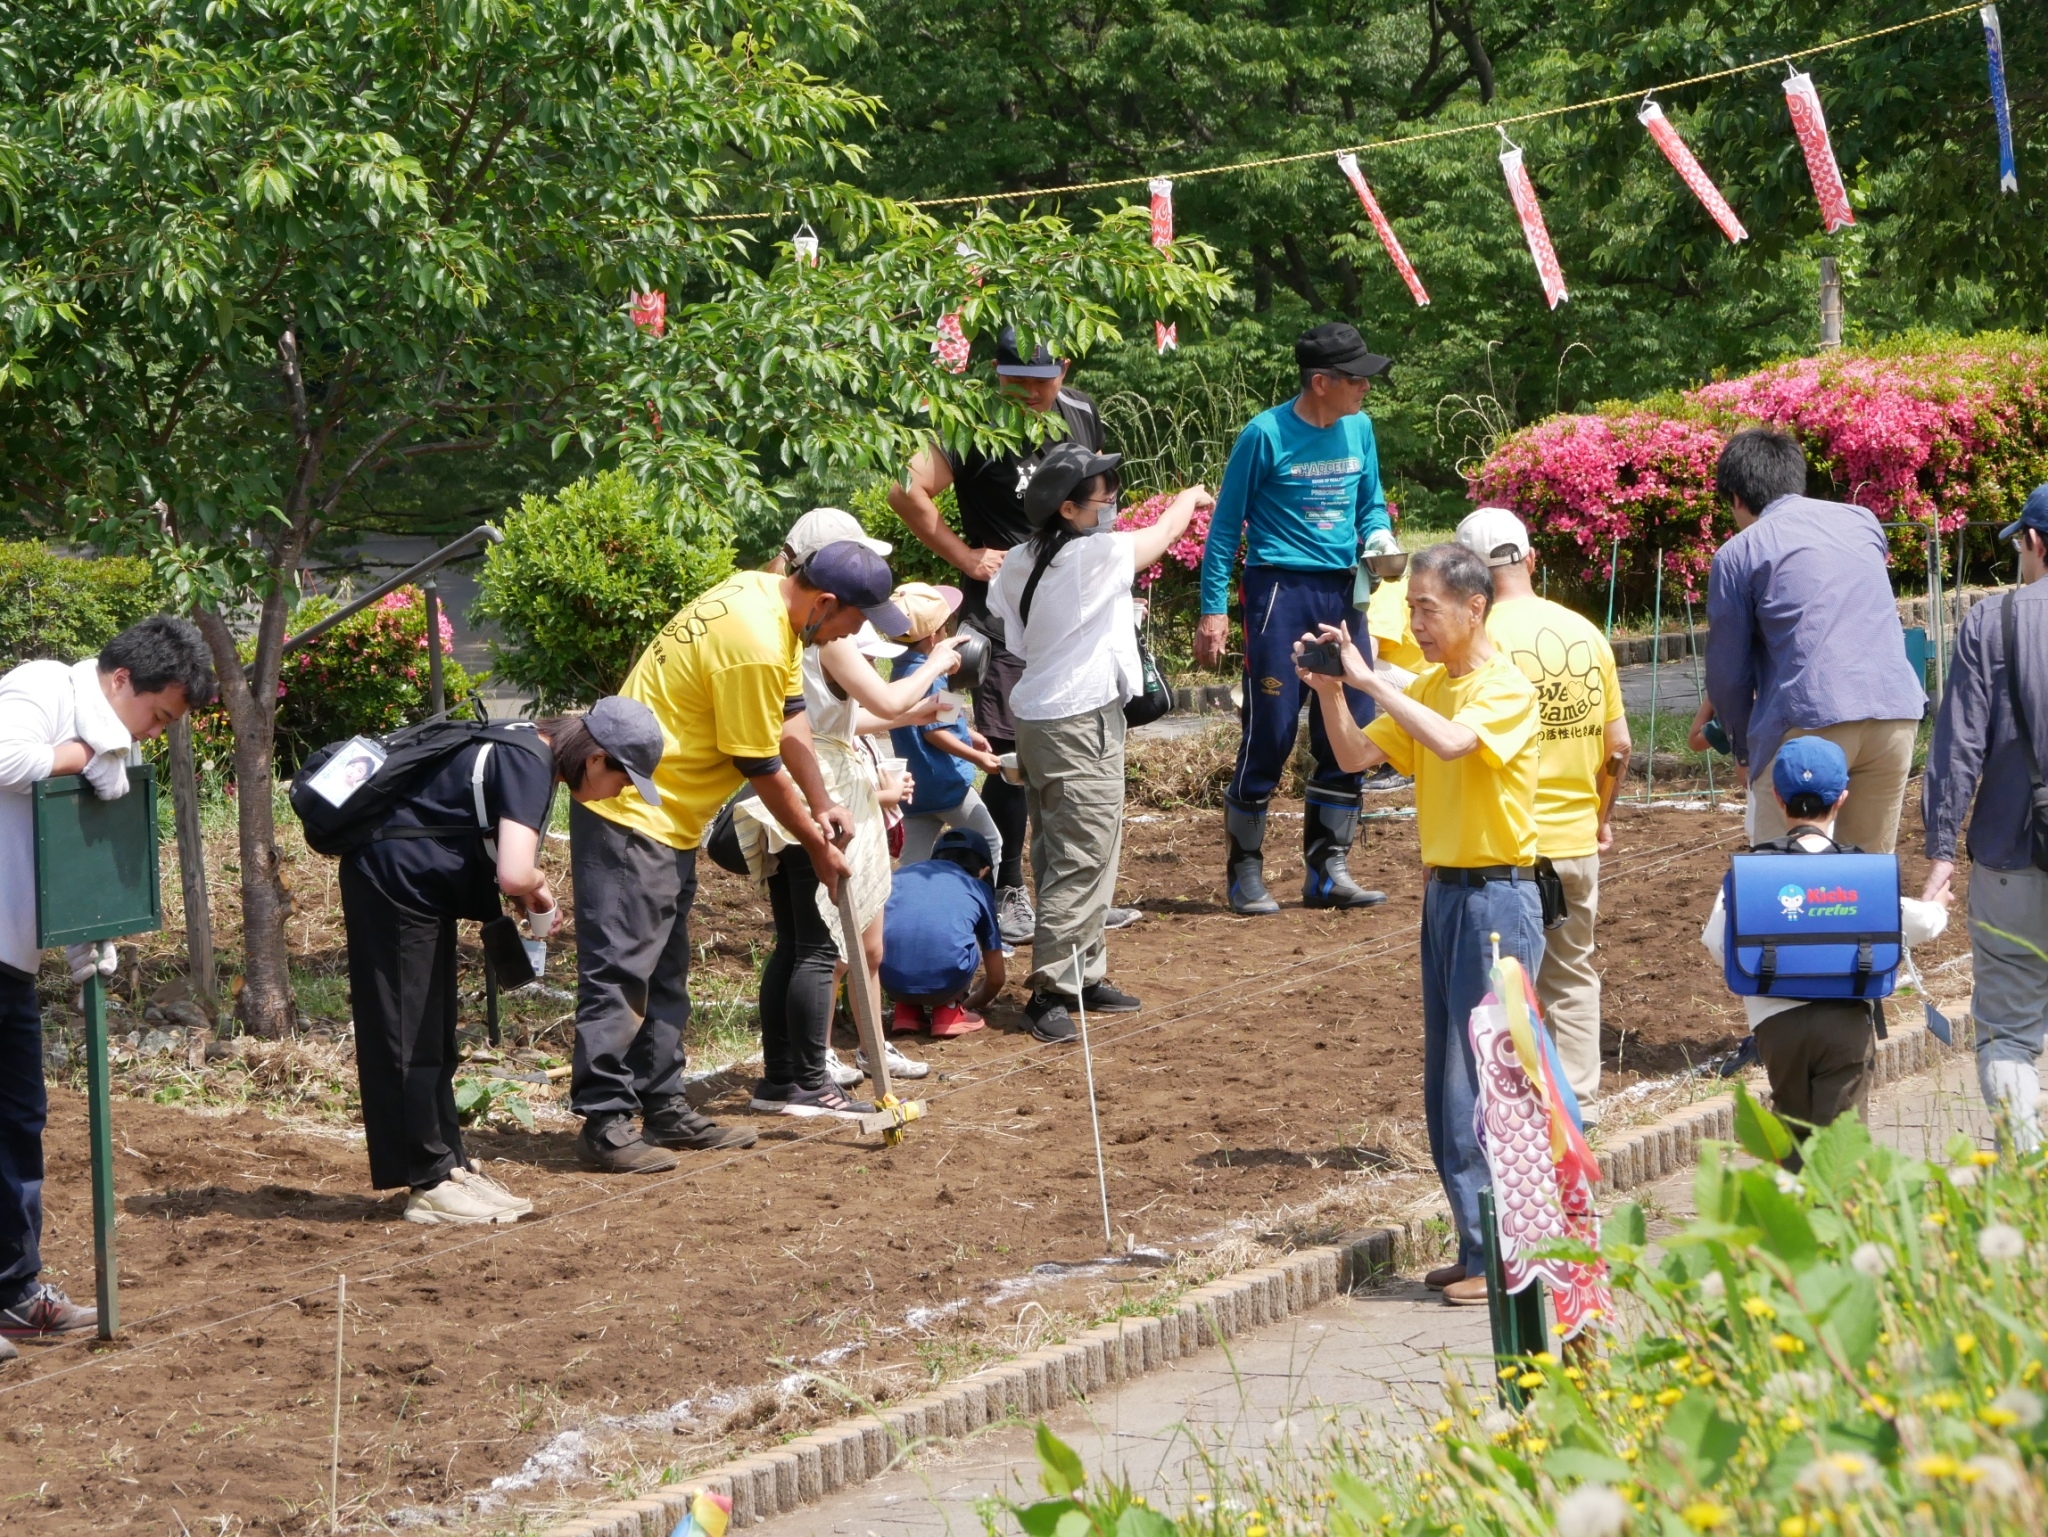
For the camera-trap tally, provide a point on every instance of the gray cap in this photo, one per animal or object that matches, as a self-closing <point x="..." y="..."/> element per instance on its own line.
<point x="627" y="729"/>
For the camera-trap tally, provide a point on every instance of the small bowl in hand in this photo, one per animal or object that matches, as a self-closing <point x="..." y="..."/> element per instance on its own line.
<point x="1388" y="568"/>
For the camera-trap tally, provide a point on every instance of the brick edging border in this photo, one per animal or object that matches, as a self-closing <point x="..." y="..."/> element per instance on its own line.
<point x="840" y="1456"/>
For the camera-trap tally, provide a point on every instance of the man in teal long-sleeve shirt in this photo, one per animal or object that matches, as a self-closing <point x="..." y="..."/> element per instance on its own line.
<point x="1302" y="495"/>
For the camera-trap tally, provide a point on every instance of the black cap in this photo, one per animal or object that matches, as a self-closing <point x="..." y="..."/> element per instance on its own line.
<point x="627" y="729"/>
<point x="853" y="573"/>
<point x="1040" y="365"/>
<point x="1065" y="465"/>
<point x="2034" y="515"/>
<point x="1339" y="348"/>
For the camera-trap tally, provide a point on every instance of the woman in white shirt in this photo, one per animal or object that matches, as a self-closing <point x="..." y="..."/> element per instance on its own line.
<point x="1064" y="601"/>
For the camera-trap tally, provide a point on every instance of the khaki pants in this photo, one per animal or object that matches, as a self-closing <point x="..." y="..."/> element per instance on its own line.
<point x="1074" y="787"/>
<point x="1880" y="754"/>
<point x="1822" y="1058"/>
<point x="1567" y="985"/>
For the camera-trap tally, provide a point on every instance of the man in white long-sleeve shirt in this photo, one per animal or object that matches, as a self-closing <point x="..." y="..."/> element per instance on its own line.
<point x="60" y="718"/>
<point x="1821" y="1054"/>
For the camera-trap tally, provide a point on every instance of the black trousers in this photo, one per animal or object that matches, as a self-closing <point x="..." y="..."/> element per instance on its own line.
<point x="24" y="1107"/>
<point x="633" y="900"/>
<point x="796" y="984"/>
<point x="401" y="985"/>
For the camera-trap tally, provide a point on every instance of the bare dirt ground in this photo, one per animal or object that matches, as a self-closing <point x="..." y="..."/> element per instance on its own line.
<point x="1269" y="1091"/>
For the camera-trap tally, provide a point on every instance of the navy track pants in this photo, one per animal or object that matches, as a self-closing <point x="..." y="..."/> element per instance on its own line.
<point x="1279" y="608"/>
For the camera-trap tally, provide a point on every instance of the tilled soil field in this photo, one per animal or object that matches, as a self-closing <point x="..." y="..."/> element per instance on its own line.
<point x="1277" y="1062"/>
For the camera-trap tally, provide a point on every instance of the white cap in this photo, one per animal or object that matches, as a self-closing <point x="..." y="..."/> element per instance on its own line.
<point x="1490" y="529"/>
<point x="827" y="525"/>
<point x="871" y="642"/>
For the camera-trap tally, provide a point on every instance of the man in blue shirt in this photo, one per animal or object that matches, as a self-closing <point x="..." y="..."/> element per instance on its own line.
<point x="1803" y="638"/>
<point x="1302" y="496"/>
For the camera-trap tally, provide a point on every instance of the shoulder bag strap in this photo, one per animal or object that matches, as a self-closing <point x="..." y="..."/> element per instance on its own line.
<point x="2011" y="625"/>
<point x="1038" y="570"/>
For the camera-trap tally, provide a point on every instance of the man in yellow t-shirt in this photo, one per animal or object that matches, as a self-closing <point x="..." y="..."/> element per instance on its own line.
<point x="724" y="679"/>
<point x="1585" y="752"/>
<point x="1467" y="730"/>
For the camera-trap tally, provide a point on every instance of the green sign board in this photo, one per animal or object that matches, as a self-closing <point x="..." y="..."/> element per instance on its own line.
<point x="96" y="861"/>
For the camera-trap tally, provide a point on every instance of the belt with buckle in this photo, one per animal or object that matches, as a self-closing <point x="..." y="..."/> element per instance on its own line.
<point x="1480" y="875"/>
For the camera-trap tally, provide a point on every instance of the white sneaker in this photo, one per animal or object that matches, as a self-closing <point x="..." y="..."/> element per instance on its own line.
<point x="457" y="1202"/>
<point x="490" y="1189"/>
<point x="837" y="1070"/>
<point x="900" y="1066"/>
<point x="1016" y="918"/>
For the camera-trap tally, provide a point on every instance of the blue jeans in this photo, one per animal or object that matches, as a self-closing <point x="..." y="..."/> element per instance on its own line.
<point x="1458" y="924"/>
<point x="24" y="1107"/>
<point x="1279" y="608"/>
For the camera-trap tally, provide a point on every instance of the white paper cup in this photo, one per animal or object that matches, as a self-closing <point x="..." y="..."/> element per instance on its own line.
<point x="536" y="956"/>
<point x="540" y="923"/>
<point x="892" y="765"/>
<point x="952" y="707"/>
<point x="1011" y="771"/>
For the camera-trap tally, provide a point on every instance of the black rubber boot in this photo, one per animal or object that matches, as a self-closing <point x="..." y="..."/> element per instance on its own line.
<point x="1326" y="837"/>
<point x="1245" y="873"/>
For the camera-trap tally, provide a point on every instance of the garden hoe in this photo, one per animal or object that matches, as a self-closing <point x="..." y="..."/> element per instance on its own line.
<point x="890" y="1115"/>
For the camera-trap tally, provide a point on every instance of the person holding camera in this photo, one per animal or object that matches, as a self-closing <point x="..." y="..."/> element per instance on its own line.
<point x="1469" y="731"/>
<point x="1302" y="494"/>
<point x="62" y="718"/>
<point x="1065" y="603"/>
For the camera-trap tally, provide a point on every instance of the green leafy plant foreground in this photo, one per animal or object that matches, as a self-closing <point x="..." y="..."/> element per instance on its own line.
<point x="1856" y="1349"/>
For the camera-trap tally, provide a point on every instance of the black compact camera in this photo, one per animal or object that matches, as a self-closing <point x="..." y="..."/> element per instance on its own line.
<point x="1323" y="656"/>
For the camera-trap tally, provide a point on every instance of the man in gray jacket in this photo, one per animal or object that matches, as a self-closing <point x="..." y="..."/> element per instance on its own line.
<point x="1978" y="752"/>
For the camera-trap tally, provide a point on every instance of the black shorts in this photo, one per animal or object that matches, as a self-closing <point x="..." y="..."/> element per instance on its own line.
<point x="992" y="699"/>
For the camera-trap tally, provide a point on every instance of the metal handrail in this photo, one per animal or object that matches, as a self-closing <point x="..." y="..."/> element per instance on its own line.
<point x="482" y="534"/>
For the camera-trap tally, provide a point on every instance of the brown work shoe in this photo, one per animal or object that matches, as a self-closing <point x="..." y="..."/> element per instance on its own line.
<point x="609" y="1144"/>
<point x="1442" y="1276"/>
<point x="1468" y="1293"/>
<point x="672" y="1123"/>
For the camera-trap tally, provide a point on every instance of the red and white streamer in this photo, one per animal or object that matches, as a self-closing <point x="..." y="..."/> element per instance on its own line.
<point x="1162" y="211"/>
<point x="1811" y="125"/>
<point x="1530" y="212"/>
<point x="1165" y="337"/>
<point x="1690" y="171"/>
<point x="951" y="344"/>
<point x="1348" y="164"/>
<point x="650" y="312"/>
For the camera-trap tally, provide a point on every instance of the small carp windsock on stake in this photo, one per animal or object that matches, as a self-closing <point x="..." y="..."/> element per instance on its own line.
<point x="1811" y="124"/>
<point x="1530" y="212"/>
<point x="1690" y="171"/>
<point x="951" y="344"/>
<point x="1994" y="48"/>
<point x="1348" y="164"/>
<point x="805" y="243"/>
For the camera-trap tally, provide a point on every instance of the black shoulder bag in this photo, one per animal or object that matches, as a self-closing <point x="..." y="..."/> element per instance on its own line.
<point x="2037" y="793"/>
<point x="1154" y="697"/>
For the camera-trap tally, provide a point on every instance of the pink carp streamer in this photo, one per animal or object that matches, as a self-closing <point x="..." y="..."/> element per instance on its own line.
<point x="1811" y="124"/>
<point x="1530" y="212"/>
<point x="1348" y="164"/>
<point x="1690" y="171"/>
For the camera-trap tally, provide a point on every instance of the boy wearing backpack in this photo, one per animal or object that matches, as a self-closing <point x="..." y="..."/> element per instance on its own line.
<point x="1820" y="1050"/>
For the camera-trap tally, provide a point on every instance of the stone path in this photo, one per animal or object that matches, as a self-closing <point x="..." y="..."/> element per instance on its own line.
<point x="1383" y="1352"/>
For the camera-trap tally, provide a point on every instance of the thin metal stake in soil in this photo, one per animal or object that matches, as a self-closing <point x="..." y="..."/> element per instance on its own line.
<point x="1656" y="654"/>
<point x="1088" y="1065"/>
<point x="334" y="1458"/>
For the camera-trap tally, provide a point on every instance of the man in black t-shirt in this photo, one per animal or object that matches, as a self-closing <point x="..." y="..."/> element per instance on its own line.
<point x="990" y="493"/>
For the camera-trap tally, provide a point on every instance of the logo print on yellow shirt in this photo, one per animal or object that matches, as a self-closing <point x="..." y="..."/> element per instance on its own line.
<point x="1569" y="691"/>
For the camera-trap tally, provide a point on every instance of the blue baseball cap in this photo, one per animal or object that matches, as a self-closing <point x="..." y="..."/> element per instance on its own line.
<point x="1810" y="764"/>
<point x="963" y="839"/>
<point x="2034" y="515"/>
<point x="855" y="574"/>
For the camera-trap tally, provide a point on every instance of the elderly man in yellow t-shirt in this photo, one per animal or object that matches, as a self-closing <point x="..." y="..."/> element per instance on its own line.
<point x="1467" y="730"/>
<point x="724" y="678"/>
<point x="1585" y="752"/>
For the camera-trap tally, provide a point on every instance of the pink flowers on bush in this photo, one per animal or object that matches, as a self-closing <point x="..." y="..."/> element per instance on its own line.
<point x="1186" y="551"/>
<point x="1931" y="433"/>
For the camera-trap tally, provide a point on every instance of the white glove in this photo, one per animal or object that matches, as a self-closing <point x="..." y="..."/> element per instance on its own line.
<point x="1381" y="541"/>
<point x="108" y="774"/>
<point x="96" y="723"/>
<point x="84" y="960"/>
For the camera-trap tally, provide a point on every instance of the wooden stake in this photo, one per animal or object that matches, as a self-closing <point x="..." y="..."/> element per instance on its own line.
<point x="334" y="1459"/>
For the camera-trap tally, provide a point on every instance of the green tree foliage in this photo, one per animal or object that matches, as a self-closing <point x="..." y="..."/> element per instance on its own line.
<point x="258" y="255"/>
<point x="585" y="578"/>
<point x="53" y="606"/>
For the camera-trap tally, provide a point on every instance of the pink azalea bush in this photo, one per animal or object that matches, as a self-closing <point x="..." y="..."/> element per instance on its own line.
<point x="1928" y="431"/>
<point x="1185" y="552"/>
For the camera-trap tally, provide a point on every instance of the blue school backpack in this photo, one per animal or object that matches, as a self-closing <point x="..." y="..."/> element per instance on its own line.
<point x="1818" y="925"/>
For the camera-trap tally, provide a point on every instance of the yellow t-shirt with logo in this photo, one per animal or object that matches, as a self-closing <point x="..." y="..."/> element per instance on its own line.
<point x="1386" y="621"/>
<point x="715" y="677"/>
<point x="1479" y="809"/>
<point x="1577" y="693"/>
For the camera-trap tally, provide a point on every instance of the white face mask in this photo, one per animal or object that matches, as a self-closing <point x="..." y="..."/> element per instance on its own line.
<point x="1105" y="520"/>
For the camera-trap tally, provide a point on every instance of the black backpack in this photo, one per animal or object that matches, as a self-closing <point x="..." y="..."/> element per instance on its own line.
<point x="413" y="755"/>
